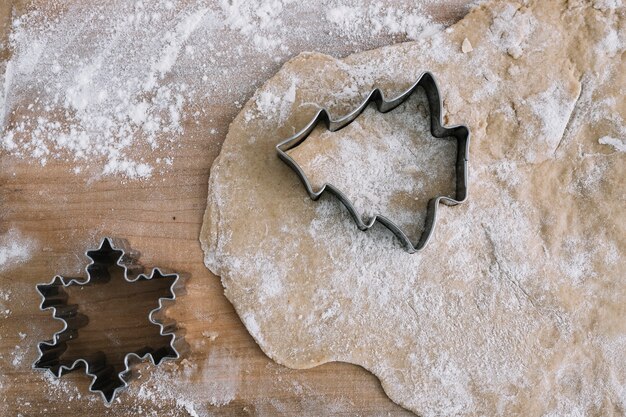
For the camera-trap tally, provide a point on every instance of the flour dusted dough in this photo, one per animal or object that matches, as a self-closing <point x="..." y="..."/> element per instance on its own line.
<point x="518" y="305"/>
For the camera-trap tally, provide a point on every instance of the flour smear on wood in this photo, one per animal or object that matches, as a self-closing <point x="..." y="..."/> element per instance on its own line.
<point x="112" y="89"/>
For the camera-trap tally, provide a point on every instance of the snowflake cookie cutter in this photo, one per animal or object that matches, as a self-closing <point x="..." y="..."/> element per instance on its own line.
<point x="459" y="132"/>
<point x="105" y="380"/>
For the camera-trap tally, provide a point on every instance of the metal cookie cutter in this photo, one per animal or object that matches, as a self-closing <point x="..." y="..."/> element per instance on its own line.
<point x="105" y="379"/>
<point x="459" y="132"/>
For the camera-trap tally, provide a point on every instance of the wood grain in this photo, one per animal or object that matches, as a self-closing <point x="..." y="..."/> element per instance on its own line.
<point x="64" y="214"/>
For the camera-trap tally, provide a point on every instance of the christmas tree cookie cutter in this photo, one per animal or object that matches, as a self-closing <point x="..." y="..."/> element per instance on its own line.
<point x="459" y="132"/>
<point x="105" y="379"/>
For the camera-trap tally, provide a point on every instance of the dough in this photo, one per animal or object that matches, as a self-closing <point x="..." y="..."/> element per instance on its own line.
<point x="518" y="304"/>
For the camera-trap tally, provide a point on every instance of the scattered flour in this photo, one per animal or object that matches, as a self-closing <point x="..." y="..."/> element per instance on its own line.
<point x="511" y="28"/>
<point x="64" y="390"/>
<point x="616" y="143"/>
<point x="211" y="335"/>
<point x="355" y="20"/>
<point x="613" y="42"/>
<point x="5" y="297"/>
<point x="552" y="108"/>
<point x="18" y="356"/>
<point x="253" y="326"/>
<point x="213" y="381"/>
<point x="14" y="249"/>
<point x="111" y="89"/>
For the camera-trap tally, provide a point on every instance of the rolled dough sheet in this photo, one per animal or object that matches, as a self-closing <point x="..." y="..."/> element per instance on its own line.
<point x="518" y="304"/>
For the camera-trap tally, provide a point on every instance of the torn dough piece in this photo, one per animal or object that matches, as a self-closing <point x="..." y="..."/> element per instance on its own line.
<point x="466" y="46"/>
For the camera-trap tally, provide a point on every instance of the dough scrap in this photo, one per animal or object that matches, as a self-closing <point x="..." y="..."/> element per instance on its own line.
<point x="518" y="305"/>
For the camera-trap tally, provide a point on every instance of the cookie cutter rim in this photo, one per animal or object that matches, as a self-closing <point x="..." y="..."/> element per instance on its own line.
<point x="57" y="338"/>
<point x="460" y="132"/>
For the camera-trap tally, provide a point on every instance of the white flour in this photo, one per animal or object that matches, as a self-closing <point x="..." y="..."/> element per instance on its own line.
<point x="14" y="249"/>
<point x="211" y="382"/>
<point x="617" y="144"/>
<point x="110" y="89"/>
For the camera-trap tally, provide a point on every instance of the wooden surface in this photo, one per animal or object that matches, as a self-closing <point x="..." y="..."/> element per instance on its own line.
<point x="64" y="214"/>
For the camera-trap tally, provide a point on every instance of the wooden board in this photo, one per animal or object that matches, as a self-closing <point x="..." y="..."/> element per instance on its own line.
<point x="223" y="372"/>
